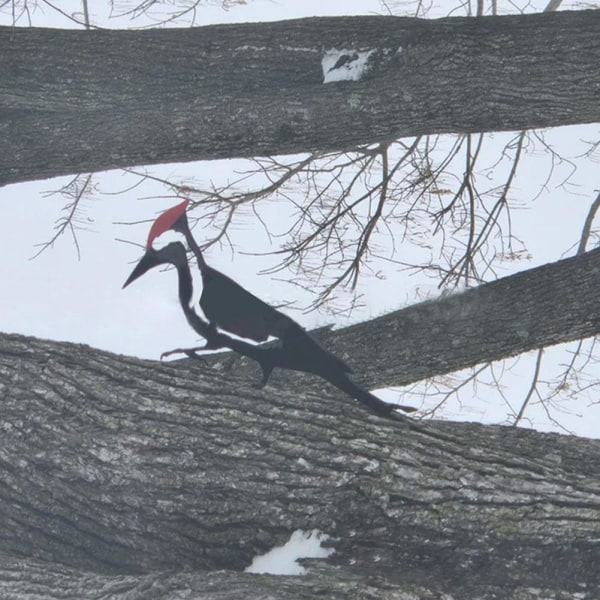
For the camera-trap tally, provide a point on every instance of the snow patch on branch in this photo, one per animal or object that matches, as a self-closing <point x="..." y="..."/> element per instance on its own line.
<point x="345" y="64"/>
<point x="281" y="560"/>
<point x="352" y="65"/>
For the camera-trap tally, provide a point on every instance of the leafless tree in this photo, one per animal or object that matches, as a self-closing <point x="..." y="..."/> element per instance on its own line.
<point x="123" y="478"/>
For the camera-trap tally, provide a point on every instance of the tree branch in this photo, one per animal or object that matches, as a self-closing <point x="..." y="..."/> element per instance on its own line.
<point x="123" y="466"/>
<point x="539" y="307"/>
<point x="257" y="89"/>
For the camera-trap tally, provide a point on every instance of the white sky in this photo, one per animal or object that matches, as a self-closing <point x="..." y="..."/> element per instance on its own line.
<point x="59" y="297"/>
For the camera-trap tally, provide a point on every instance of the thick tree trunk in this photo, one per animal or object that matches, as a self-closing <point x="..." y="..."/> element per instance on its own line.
<point x="73" y="101"/>
<point x="25" y="579"/>
<point x="132" y="472"/>
<point x="119" y="466"/>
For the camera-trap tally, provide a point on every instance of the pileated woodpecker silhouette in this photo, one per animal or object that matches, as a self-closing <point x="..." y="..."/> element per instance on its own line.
<point x="228" y="306"/>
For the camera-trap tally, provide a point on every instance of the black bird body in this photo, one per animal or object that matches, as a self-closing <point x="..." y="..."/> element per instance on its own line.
<point x="226" y="303"/>
<point x="236" y="310"/>
<point x="298" y="350"/>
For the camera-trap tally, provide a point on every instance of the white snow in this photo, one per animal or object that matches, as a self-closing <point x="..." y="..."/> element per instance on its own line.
<point x="345" y="64"/>
<point x="272" y="48"/>
<point x="253" y="48"/>
<point x="281" y="560"/>
<point x="299" y="49"/>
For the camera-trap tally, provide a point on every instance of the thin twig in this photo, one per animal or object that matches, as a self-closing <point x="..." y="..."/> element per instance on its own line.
<point x="67" y="222"/>
<point x="533" y="387"/>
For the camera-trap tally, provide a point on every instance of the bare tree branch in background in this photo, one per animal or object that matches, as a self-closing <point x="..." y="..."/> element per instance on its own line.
<point x="19" y="9"/>
<point x="86" y="14"/>
<point x="159" y="11"/>
<point x="420" y="8"/>
<point x="162" y="12"/>
<point x="532" y="389"/>
<point x="452" y="389"/>
<point x="349" y="209"/>
<point x="449" y="387"/>
<point x="570" y="380"/>
<point x="573" y="378"/>
<point x="26" y="9"/>
<point x="75" y="190"/>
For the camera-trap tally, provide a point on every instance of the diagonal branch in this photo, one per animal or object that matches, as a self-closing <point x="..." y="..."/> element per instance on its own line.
<point x="535" y="308"/>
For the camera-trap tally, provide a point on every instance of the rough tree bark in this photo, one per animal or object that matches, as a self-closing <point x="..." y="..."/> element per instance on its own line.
<point x="73" y="101"/>
<point x="119" y="476"/>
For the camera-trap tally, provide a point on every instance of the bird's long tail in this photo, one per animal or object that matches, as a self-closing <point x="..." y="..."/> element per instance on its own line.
<point x="386" y="409"/>
<point x="303" y="353"/>
<point x="301" y="343"/>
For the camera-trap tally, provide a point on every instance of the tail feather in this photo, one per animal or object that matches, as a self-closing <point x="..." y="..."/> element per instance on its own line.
<point x="298" y="340"/>
<point x="365" y="397"/>
<point x="301" y="352"/>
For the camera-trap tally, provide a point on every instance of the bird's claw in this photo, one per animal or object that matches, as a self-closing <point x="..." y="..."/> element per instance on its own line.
<point x="189" y="352"/>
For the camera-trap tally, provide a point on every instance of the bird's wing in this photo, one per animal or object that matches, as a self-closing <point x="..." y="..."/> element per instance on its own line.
<point x="233" y="308"/>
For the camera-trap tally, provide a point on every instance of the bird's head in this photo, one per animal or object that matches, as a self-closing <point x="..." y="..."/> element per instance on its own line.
<point x="173" y="218"/>
<point x="174" y="254"/>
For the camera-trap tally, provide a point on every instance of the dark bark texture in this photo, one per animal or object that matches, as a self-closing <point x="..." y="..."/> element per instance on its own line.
<point x="34" y="580"/>
<point x="73" y="101"/>
<point x="125" y="479"/>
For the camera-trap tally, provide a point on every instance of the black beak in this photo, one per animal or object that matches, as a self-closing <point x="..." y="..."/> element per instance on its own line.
<point x="149" y="260"/>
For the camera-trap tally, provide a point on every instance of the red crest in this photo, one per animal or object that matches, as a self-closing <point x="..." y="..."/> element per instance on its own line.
<point x="165" y="221"/>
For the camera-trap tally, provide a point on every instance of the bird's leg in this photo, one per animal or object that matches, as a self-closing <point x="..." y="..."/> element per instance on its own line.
<point x="212" y="343"/>
<point x="266" y="369"/>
